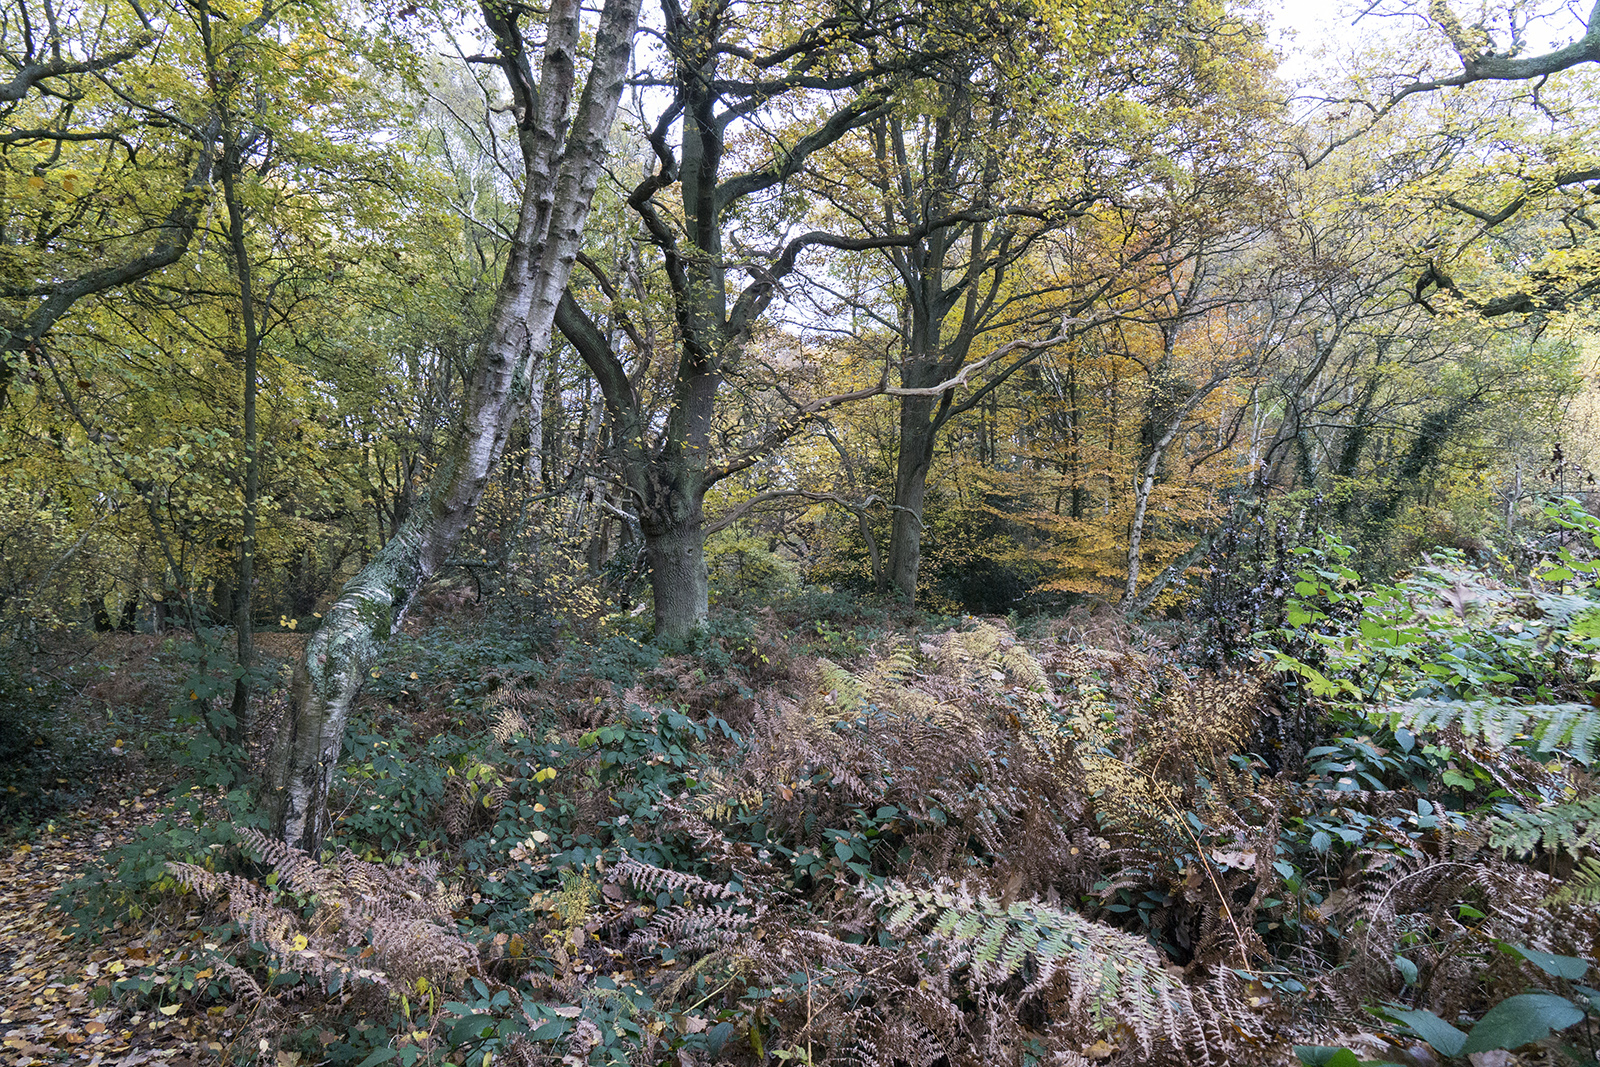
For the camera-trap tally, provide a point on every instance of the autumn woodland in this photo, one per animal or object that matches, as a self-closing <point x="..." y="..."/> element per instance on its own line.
<point x="906" y="533"/>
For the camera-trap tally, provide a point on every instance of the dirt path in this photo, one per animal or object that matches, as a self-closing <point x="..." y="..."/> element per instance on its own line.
<point x="56" y="995"/>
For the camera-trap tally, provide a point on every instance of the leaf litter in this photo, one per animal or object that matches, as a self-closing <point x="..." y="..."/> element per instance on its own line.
<point x="58" y="1001"/>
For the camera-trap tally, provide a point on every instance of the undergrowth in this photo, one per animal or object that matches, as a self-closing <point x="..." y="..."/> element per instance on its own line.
<point x="835" y="840"/>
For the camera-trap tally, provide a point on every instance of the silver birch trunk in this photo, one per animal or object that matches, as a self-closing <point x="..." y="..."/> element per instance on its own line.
<point x="1145" y="485"/>
<point x="562" y="166"/>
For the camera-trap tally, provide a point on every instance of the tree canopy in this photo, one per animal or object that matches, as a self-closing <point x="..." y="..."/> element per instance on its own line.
<point x="1014" y="308"/>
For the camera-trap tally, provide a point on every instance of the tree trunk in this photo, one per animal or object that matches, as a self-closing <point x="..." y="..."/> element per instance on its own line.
<point x="1146" y="485"/>
<point x="678" y="577"/>
<point x="917" y="436"/>
<point x="239" y="727"/>
<point x="560" y="180"/>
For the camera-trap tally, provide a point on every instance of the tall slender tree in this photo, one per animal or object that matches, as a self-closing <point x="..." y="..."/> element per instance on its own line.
<point x="563" y="148"/>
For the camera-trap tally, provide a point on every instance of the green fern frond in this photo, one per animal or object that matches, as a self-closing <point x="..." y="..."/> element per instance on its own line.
<point x="1572" y="826"/>
<point x="898" y="666"/>
<point x="1574" y="727"/>
<point x="1584" y="885"/>
<point x="1117" y="976"/>
<point x="840" y="688"/>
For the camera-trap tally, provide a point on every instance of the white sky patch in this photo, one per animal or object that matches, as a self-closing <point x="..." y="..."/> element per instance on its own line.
<point x="1306" y="30"/>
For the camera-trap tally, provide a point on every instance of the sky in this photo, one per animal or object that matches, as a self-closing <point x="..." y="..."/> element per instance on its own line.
<point x="1314" y="22"/>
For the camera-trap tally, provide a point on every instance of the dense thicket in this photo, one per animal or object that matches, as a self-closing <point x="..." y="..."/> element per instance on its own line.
<point x="606" y="423"/>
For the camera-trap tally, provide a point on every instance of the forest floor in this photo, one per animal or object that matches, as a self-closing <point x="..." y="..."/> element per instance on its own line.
<point x="634" y="756"/>
<point x="56" y="992"/>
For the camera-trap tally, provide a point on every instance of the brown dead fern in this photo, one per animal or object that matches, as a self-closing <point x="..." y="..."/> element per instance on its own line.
<point x="369" y="923"/>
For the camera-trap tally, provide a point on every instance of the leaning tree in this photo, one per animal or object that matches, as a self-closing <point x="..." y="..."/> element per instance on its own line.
<point x="563" y="150"/>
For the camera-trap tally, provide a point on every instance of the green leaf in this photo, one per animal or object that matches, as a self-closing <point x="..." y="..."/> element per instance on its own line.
<point x="1326" y="1056"/>
<point x="1518" y="1020"/>
<point x="550" y="1030"/>
<point x="1569" y="967"/>
<point x="380" y="1055"/>
<point x="1375" y="631"/>
<point x="1407" y="969"/>
<point x="1432" y="1029"/>
<point x="718" y="1036"/>
<point x="471" y="1028"/>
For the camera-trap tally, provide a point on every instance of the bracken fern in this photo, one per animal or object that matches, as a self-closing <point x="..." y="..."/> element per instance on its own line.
<point x="369" y="923"/>
<point x="1118" y="978"/>
<point x="1573" y="727"/>
<point x="1572" y="826"/>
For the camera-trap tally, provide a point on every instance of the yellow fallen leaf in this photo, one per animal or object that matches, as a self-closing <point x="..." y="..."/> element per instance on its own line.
<point x="172" y="1009"/>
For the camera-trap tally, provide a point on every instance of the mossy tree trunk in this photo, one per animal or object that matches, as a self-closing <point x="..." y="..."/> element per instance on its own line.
<point x="562" y="162"/>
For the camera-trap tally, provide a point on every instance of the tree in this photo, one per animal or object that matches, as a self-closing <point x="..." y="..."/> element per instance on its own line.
<point x="563" y="151"/>
<point x="1443" y="246"/>
<point x="1022" y="207"/>
<point x="52" y="163"/>
<point x="758" y="91"/>
<point x="1511" y="126"/>
<point x="142" y="391"/>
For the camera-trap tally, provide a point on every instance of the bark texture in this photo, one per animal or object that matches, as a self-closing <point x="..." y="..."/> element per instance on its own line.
<point x="919" y="429"/>
<point x="562" y="165"/>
